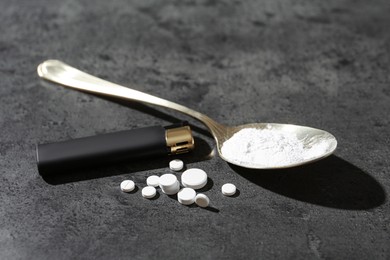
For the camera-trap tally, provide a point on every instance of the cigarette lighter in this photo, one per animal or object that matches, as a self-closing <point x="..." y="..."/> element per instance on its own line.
<point x="114" y="147"/>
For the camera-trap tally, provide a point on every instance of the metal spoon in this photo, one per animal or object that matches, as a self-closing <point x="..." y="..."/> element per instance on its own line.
<point x="66" y="75"/>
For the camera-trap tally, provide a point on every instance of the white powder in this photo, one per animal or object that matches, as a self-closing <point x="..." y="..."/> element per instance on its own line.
<point x="264" y="148"/>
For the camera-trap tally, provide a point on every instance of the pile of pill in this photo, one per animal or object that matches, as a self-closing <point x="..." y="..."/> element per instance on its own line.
<point x="191" y="179"/>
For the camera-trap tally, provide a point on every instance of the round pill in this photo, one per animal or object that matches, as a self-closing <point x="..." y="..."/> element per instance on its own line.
<point x="127" y="186"/>
<point x="228" y="189"/>
<point x="176" y="165"/>
<point x="148" y="192"/>
<point x="202" y="200"/>
<point x="167" y="181"/>
<point x="153" y="180"/>
<point x="186" y="196"/>
<point x="172" y="190"/>
<point x="194" y="178"/>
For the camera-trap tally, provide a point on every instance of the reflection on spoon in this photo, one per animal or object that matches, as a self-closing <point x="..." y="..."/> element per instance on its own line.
<point x="306" y="137"/>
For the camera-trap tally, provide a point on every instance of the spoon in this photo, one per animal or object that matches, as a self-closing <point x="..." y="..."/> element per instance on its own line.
<point x="61" y="73"/>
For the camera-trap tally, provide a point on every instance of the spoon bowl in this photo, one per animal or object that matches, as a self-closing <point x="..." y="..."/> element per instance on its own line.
<point x="308" y="137"/>
<point x="61" y="73"/>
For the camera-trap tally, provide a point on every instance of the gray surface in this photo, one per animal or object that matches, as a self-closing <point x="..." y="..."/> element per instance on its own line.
<point x="323" y="64"/>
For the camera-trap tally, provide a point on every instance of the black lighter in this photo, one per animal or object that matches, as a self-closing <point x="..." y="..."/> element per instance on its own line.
<point x="114" y="147"/>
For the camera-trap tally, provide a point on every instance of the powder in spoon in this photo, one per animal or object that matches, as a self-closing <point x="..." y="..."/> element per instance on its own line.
<point x="263" y="148"/>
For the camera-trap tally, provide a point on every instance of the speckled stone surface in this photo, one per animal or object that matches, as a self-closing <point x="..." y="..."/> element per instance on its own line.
<point x="324" y="64"/>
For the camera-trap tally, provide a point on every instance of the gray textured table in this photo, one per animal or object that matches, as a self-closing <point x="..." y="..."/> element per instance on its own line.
<point x="323" y="64"/>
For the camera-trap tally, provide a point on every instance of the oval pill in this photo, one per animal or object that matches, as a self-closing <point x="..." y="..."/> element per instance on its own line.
<point x="153" y="181"/>
<point x="194" y="178"/>
<point x="149" y="192"/>
<point x="228" y="189"/>
<point x="176" y="165"/>
<point x="202" y="200"/>
<point x="127" y="186"/>
<point x="186" y="196"/>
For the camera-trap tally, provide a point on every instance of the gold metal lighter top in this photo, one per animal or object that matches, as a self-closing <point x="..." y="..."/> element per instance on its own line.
<point x="179" y="139"/>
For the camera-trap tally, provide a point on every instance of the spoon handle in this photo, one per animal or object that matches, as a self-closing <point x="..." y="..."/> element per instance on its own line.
<point x="61" y="73"/>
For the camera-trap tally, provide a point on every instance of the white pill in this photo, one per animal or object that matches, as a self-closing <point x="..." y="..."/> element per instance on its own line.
<point x="153" y="180"/>
<point x="176" y="165"/>
<point x="186" y="196"/>
<point x="194" y="178"/>
<point x="172" y="190"/>
<point x="202" y="200"/>
<point x="127" y="186"/>
<point x="228" y="189"/>
<point x="167" y="181"/>
<point x="148" y="192"/>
